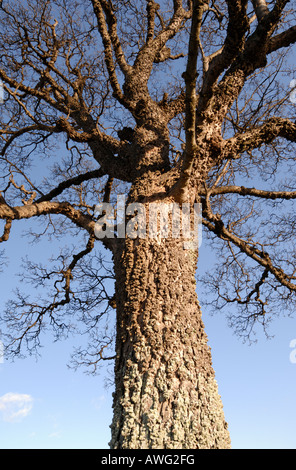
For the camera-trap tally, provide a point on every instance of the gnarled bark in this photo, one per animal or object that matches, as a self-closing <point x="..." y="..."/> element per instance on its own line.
<point x="166" y="395"/>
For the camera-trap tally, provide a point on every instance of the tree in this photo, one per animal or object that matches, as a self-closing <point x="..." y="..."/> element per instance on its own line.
<point x="172" y="103"/>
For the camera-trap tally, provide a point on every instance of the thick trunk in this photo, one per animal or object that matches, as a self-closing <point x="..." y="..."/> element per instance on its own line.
<point x="166" y="396"/>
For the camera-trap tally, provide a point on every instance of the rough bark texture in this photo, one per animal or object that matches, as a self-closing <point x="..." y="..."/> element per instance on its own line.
<point x="166" y="394"/>
<point x="59" y="82"/>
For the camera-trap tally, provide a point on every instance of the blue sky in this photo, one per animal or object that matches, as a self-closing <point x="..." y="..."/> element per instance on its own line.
<point x="45" y="404"/>
<point x="61" y="408"/>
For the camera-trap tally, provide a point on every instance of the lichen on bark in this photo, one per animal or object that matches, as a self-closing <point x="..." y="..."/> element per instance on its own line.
<point x="166" y="395"/>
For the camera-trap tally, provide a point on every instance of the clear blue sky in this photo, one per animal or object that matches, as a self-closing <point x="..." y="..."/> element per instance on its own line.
<point x="44" y="404"/>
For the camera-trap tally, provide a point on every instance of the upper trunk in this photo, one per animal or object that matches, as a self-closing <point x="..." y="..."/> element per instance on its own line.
<point x="166" y="395"/>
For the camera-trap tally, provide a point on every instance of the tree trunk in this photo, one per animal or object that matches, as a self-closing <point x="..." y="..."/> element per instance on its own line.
<point x="166" y="395"/>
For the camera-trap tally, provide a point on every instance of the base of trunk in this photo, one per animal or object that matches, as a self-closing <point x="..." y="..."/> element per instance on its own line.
<point x="166" y="395"/>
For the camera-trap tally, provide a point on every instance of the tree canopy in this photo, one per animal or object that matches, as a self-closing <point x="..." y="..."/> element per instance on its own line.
<point x="93" y="88"/>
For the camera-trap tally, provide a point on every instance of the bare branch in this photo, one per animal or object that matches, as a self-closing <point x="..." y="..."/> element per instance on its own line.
<point x="215" y="224"/>
<point x="260" y="193"/>
<point x="44" y="208"/>
<point x="190" y="77"/>
<point x="284" y="39"/>
<point x="151" y="8"/>
<point x="6" y="231"/>
<point x="264" y="134"/>
<point x="241" y="55"/>
<point x="219" y="61"/>
<point x="110" y="41"/>
<point x="104" y="146"/>
<point x="76" y="180"/>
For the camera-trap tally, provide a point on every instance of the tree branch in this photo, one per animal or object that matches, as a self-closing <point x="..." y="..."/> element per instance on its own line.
<point x="112" y="27"/>
<point x="6" y="231"/>
<point x="243" y="191"/>
<point x="44" y="208"/>
<point x="33" y="314"/>
<point x="14" y="135"/>
<point x="284" y="39"/>
<point x="215" y="224"/>
<point x="103" y="146"/>
<point x="151" y="8"/>
<point x="154" y="50"/>
<point x="238" y="25"/>
<point x="108" y="32"/>
<point x="242" y="57"/>
<point x="261" y="9"/>
<point x="190" y="77"/>
<point x="264" y="134"/>
<point x="76" y="180"/>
